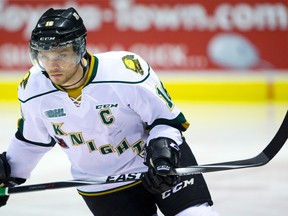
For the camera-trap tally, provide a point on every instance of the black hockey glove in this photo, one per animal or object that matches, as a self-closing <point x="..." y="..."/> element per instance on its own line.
<point x="5" y="179"/>
<point x="162" y="155"/>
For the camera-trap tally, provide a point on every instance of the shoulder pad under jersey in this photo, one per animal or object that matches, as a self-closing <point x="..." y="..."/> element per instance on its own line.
<point x="121" y="66"/>
<point x="34" y="84"/>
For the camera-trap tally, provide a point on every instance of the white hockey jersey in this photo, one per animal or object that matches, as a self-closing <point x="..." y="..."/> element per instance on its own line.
<point x="123" y="106"/>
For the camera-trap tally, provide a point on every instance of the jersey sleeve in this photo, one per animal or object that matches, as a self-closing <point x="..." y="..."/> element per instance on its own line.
<point x="23" y="157"/>
<point x="31" y="140"/>
<point x="31" y="127"/>
<point x="150" y="99"/>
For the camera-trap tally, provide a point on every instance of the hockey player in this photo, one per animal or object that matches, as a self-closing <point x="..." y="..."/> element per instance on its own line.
<point x="104" y="110"/>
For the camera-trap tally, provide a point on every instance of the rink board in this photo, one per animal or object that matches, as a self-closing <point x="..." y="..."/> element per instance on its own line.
<point x="204" y="86"/>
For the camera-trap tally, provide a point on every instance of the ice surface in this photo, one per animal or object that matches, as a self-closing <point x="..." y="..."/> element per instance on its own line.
<point x="218" y="132"/>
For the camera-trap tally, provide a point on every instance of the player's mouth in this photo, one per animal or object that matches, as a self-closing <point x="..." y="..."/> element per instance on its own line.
<point x="57" y="74"/>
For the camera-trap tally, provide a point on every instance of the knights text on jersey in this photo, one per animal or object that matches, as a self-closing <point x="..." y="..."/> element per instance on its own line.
<point x="122" y="106"/>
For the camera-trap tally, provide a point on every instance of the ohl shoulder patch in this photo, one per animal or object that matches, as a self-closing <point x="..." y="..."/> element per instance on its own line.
<point x="132" y="63"/>
<point x="23" y="83"/>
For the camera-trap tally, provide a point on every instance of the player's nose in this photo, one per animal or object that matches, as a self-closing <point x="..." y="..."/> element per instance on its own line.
<point x="52" y="65"/>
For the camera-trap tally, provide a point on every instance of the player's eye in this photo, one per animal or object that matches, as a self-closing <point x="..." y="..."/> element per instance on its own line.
<point x="62" y="55"/>
<point x="43" y="57"/>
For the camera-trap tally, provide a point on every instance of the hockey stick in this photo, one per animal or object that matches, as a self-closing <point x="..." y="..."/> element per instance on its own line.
<point x="261" y="159"/>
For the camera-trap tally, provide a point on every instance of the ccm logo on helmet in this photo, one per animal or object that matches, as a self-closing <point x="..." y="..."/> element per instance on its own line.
<point x="177" y="188"/>
<point x="47" y="38"/>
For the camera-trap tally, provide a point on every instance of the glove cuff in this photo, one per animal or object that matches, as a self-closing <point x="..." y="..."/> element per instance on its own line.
<point x="163" y="149"/>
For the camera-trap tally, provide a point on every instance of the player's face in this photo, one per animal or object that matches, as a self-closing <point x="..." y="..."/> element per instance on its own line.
<point x="61" y="65"/>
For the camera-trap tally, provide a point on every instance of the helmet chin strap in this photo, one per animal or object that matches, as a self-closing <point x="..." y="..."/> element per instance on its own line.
<point x="85" y="68"/>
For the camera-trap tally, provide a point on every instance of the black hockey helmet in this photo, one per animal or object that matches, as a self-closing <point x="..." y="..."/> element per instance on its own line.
<point x="57" y="28"/>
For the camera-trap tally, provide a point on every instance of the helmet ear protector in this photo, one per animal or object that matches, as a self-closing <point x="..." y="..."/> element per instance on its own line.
<point x="58" y="28"/>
